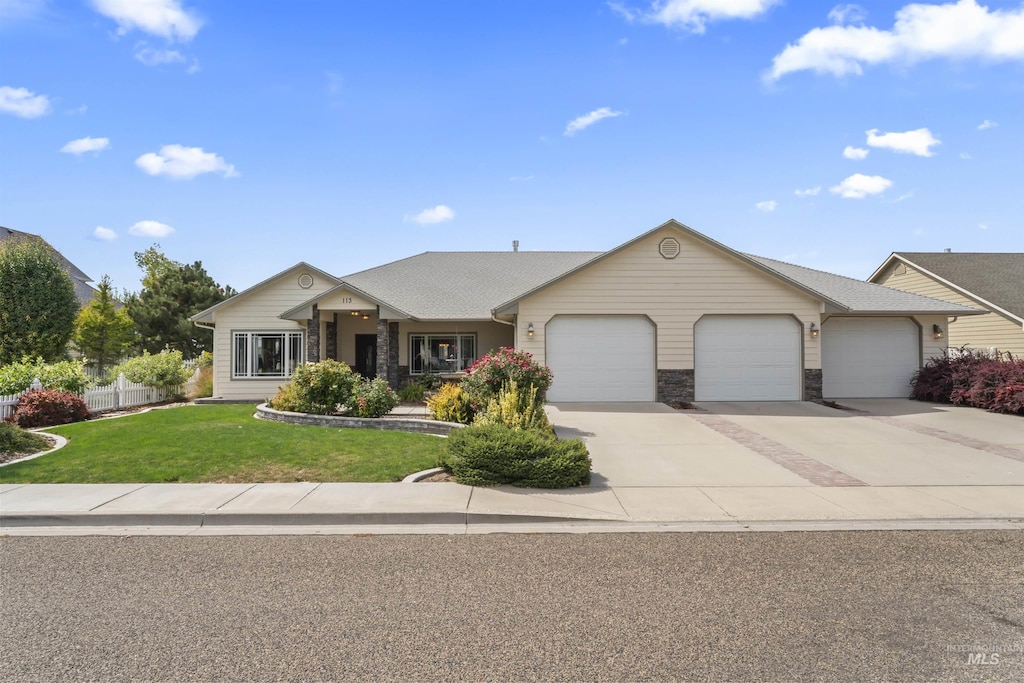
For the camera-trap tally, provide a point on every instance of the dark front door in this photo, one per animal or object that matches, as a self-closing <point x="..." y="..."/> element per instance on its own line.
<point x="366" y="355"/>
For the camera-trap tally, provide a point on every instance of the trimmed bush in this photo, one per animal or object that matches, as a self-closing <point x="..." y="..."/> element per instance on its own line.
<point x="972" y="377"/>
<point x="164" y="370"/>
<point x="373" y="398"/>
<point x="323" y="388"/>
<point x="68" y="375"/>
<point x="489" y="373"/>
<point x="515" y="407"/>
<point x="16" y="440"/>
<point x="487" y="455"/>
<point x="450" y="404"/>
<point x="49" y="407"/>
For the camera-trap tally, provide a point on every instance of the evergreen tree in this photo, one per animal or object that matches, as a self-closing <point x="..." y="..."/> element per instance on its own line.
<point x="171" y="293"/>
<point x="37" y="301"/>
<point x="102" y="331"/>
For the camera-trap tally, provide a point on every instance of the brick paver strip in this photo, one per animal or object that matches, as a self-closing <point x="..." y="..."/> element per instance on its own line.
<point x="960" y="439"/>
<point x="818" y="473"/>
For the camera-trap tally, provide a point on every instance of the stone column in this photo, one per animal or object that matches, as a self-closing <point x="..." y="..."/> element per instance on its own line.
<point x="382" y="348"/>
<point x="393" y="355"/>
<point x="313" y="337"/>
<point x="332" y="337"/>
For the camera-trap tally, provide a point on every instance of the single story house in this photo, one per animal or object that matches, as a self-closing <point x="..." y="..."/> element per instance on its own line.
<point x="993" y="282"/>
<point x="670" y="315"/>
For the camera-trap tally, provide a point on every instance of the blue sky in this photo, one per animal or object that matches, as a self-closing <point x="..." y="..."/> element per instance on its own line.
<point x="252" y="135"/>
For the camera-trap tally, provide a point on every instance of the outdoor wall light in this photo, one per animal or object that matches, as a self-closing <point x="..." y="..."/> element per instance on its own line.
<point x="814" y="331"/>
<point x="365" y="317"/>
<point x="353" y="312"/>
<point x="529" y="330"/>
<point x="936" y="332"/>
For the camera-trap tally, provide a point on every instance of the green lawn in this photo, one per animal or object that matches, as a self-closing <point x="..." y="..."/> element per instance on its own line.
<point x="223" y="443"/>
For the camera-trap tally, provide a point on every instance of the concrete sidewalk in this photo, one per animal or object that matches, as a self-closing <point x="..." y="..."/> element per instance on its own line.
<point x="33" y="508"/>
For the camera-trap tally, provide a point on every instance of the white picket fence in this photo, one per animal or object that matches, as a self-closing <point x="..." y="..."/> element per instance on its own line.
<point x="119" y="394"/>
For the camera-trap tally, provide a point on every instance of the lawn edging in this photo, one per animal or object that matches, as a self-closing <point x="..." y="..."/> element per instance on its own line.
<point x="400" y="424"/>
<point x="60" y="442"/>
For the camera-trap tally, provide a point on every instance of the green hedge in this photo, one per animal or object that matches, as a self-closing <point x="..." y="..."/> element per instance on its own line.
<point x="487" y="455"/>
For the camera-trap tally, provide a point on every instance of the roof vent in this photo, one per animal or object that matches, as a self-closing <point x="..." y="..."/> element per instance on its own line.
<point x="515" y="245"/>
<point x="947" y="250"/>
<point x="669" y="247"/>
<point x="305" y="281"/>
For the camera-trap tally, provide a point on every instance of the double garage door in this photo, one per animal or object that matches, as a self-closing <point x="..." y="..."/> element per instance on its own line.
<point x="736" y="358"/>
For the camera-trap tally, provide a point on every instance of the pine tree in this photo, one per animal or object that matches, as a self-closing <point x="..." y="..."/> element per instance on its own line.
<point x="103" y="332"/>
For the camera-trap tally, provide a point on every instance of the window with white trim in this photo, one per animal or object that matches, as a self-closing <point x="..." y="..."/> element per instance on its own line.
<point x="265" y="354"/>
<point x="441" y="353"/>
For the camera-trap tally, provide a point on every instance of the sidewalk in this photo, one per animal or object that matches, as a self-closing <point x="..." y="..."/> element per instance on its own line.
<point x="427" y="507"/>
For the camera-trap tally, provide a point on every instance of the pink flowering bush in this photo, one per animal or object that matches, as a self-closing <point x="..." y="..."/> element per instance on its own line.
<point x="489" y="373"/>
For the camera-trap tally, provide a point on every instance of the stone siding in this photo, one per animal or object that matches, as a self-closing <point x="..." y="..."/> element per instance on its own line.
<point x="812" y="385"/>
<point x="332" y="337"/>
<point x="675" y="385"/>
<point x="435" y="427"/>
<point x="313" y="337"/>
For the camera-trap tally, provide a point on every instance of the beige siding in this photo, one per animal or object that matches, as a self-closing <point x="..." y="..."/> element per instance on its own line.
<point x="673" y="293"/>
<point x="257" y="311"/>
<point x="991" y="330"/>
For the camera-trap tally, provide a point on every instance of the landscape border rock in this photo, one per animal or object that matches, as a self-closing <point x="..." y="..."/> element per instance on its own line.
<point x="435" y="427"/>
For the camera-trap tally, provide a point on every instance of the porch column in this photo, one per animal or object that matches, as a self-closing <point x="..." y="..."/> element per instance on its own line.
<point x="332" y="337"/>
<point x="393" y="355"/>
<point x="313" y="337"/>
<point x="387" y="351"/>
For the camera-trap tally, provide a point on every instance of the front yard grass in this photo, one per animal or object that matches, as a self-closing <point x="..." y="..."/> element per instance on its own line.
<point x="223" y="443"/>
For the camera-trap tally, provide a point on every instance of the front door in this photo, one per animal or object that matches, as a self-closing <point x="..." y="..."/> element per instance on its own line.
<point x="366" y="355"/>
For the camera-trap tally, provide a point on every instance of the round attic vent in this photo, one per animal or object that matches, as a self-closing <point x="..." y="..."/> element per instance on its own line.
<point x="669" y="247"/>
<point x="305" y="281"/>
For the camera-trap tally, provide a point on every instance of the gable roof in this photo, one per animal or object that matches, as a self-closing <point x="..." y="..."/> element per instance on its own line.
<point x="858" y="296"/>
<point x="461" y="285"/>
<point x="993" y="279"/>
<point x="206" y="316"/>
<point x="83" y="290"/>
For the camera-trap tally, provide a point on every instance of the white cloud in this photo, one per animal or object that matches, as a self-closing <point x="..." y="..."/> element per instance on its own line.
<point x="21" y="9"/>
<point x="692" y="15"/>
<point x="965" y="156"/>
<point x="847" y="14"/>
<point x="856" y="153"/>
<point x="165" y="18"/>
<point x="23" y="102"/>
<point x="809" y="192"/>
<point x="150" y="229"/>
<point x="917" y="142"/>
<point x="904" y="197"/>
<point x="982" y="226"/>
<point x="438" y="214"/>
<point x="104" y="234"/>
<point x="176" y="161"/>
<point x="581" y="122"/>
<point x="87" y="144"/>
<point x="986" y="124"/>
<point x="767" y="206"/>
<point x="80" y="109"/>
<point x="151" y="56"/>
<point x="859" y="186"/>
<point x="919" y="231"/>
<point x="960" y="30"/>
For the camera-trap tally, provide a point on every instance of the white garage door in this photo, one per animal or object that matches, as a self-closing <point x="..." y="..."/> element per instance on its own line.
<point x="747" y="358"/>
<point x="601" y="358"/>
<point x="868" y="357"/>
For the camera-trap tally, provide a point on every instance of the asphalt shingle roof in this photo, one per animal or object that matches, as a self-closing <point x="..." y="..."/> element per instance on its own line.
<point x="858" y="295"/>
<point x="83" y="290"/>
<point x="462" y="285"/>
<point x="996" y="278"/>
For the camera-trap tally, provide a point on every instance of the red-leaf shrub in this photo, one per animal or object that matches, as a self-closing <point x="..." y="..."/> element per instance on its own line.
<point x="1010" y="399"/>
<point x="49" y="407"/>
<point x="489" y="373"/>
<point x="972" y="377"/>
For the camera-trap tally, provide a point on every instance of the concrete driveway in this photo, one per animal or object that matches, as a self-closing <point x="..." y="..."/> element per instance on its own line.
<point x="878" y="443"/>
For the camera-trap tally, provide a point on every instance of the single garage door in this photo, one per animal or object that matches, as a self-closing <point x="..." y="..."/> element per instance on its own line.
<point x="601" y="358"/>
<point x="868" y="357"/>
<point x="747" y="358"/>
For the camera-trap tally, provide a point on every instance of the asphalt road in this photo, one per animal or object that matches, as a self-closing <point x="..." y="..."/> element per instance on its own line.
<point x="844" y="606"/>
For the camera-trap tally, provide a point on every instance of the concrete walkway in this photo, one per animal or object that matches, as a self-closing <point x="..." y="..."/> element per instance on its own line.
<point x="729" y="466"/>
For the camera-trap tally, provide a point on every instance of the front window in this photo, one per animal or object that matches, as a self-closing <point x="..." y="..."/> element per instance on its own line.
<point x="441" y="353"/>
<point x="266" y="354"/>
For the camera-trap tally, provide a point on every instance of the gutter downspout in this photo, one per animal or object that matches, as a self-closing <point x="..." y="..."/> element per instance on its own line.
<point x="203" y="325"/>
<point x="515" y="329"/>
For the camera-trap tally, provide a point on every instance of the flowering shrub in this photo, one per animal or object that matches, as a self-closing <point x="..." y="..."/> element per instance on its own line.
<point x="322" y="388"/>
<point x="164" y="370"/>
<point x="49" y="407"/>
<point x="373" y="398"/>
<point x="972" y="377"/>
<point x="68" y="375"/>
<point x="485" y="378"/>
<point x="515" y="407"/>
<point x="450" y="404"/>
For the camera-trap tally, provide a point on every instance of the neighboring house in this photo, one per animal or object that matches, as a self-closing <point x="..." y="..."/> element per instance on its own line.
<point x="993" y="282"/>
<point x="83" y="290"/>
<point x="670" y="315"/>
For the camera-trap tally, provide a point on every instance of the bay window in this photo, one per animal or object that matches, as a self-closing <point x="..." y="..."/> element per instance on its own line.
<point x="266" y="354"/>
